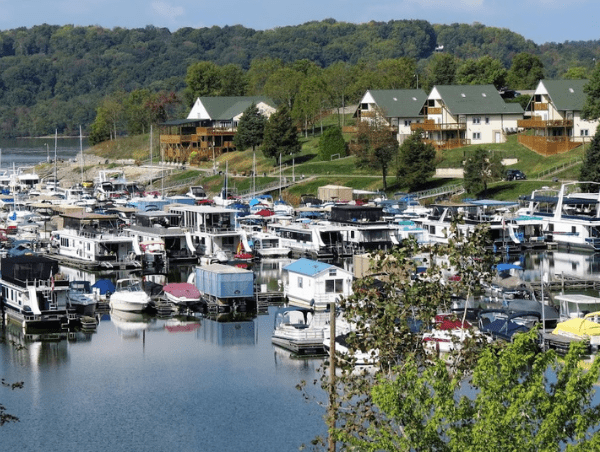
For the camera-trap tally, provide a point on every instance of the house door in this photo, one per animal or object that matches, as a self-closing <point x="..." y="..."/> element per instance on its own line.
<point x="497" y="137"/>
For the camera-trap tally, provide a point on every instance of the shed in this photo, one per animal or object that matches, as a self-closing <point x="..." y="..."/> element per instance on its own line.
<point x="334" y="192"/>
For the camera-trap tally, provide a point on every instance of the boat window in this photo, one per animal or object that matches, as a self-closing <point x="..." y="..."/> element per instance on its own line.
<point x="334" y="286"/>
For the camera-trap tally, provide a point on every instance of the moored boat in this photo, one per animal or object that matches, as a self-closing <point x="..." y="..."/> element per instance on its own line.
<point x="129" y="296"/>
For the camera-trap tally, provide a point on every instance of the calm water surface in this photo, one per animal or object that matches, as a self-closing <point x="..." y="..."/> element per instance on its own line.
<point x="149" y="384"/>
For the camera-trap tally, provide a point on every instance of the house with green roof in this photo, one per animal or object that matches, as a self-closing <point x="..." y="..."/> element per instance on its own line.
<point x="553" y="122"/>
<point x="209" y="128"/>
<point x="460" y="115"/>
<point x="397" y="108"/>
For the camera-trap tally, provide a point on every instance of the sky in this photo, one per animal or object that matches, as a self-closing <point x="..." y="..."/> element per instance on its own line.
<point x="539" y="20"/>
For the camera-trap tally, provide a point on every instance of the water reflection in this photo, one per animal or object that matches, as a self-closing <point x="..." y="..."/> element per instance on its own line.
<point x="228" y="330"/>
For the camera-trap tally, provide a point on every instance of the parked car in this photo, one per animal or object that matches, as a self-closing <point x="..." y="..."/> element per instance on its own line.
<point x="515" y="174"/>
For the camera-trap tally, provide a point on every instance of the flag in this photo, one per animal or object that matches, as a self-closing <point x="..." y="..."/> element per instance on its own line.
<point x="51" y="281"/>
<point x="239" y="248"/>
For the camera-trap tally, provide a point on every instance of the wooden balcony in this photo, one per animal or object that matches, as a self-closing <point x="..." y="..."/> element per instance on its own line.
<point x="541" y="124"/>
<point x="212" y="131"/>
<point x="548" y="145"/>
<point x="441" y="145"/>
<point x="176" y="139"/>
<point x="429" y="126"/>
<point x="368" y="114"/>
<point x="433" y="110"/>
<point x="538" y="106"/>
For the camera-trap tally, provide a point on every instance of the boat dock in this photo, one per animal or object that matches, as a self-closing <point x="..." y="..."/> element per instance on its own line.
<point x="561" y="283"/>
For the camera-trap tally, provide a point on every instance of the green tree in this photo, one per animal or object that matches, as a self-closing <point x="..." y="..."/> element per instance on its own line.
<point x="590" y="169"/>
<point x="339" y="77"/>
<point x="331" y="143"/>
<point x="283" y="85"/>
<point x="202" y="79"/>
<point x="525" y="72"/>
<point x="376" y="146"/>
<point x="576" y="73"/>
<point x="250" y="129"/>
<point x="309" y="101"/>
<point x="591" y="107"/>
<point x="281" y="137"/>
<point x="137" y="114"/>
<point x="416" y="161"/>
<point x="481" y="168"/>
<point x="384" y="317"/>
<point x="482" y="71"/>
<point x="260" y="71"/>
<point x="517" y="399"/>
<point x="440" y="70"/>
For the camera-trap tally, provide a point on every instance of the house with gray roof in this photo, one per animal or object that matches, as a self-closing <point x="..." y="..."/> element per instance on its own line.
<point x="397" y="108"/>
<point x="209" y="128"/>
<point x="460" y="115"/>
<point x="553" y="122"/>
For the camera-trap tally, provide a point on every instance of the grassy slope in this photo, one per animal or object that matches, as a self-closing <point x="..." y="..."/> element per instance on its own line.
<point x="344" y="171"/>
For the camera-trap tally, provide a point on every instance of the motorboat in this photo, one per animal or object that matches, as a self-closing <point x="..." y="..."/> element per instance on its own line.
<point x="182" y="294"/>
<point x="129" y="296"/>
<point x="300" y="330"/>
<point x="81" y="298"/>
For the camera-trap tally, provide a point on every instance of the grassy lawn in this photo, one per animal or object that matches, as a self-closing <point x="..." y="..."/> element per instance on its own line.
<point x="344" y="171"/>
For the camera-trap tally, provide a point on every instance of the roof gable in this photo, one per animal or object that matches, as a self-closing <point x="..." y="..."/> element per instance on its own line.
<point x="307" y="267"/>
<point x="474" y="99"/>
<point x="398" y="103"/>
<point x="565" y="94"/>
<point x="225" y="108"/>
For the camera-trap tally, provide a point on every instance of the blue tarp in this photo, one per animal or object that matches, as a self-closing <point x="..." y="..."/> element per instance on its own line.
<point x="104" y="285"/>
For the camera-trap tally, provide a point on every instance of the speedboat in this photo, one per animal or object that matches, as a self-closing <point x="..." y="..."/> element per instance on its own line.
<point x="81" y="298"/>
<point x="182" y="294"/>
<point x="129" y="296"/>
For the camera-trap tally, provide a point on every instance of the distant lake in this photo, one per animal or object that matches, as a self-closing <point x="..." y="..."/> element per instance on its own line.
<point x="31" y="151"/>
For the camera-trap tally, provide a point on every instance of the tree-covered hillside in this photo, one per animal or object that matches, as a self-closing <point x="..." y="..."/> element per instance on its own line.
<point x="55" y="77"/>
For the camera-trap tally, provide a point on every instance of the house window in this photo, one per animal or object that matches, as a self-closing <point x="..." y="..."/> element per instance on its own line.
<point x="300" y="282"/>
<point x="364" y="106"/>
<point x="477" y="135"/>
<point x="407" y="122"/>
<point x="585" y="132"/>
<point x="487" y="120"/>
<point x="476" y="120"/>
<point x="332" y="271"/>
<point x="334" y="286"/>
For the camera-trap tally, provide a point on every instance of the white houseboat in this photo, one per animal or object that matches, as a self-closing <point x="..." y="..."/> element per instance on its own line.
<point x="95" y="241"/>
<point x="34" y="292"/>
<point x="571" y="217"/>
<point x="211" y="231"/>
<point x="314" y="284"/>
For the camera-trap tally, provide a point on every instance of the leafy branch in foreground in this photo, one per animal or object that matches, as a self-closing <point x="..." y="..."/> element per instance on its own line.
<point x="478" y="397"/>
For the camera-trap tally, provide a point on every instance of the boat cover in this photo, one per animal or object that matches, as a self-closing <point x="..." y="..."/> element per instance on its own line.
<point x="182" y="290"/>
<point x="577" y="328"/>
<point x="104" y="285"/>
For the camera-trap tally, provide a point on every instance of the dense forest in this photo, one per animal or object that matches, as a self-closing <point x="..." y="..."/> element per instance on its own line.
<point x="56" y="77"/>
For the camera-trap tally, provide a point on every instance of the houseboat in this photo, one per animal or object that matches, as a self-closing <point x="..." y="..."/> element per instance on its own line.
<point x="224" y="288"/>
<point x="211" y="231"/>
<point x="571" y="217"/>
<point x="320" y="241"/>
<point x="94" y="241"/>
<point x="315" y="285"/>
<point x="34" y="293"/>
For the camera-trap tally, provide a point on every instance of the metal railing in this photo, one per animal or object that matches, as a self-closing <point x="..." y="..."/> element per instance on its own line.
<point x="557" y="169"/>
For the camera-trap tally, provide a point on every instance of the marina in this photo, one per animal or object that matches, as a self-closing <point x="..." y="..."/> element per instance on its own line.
<point x="194" y="305"/>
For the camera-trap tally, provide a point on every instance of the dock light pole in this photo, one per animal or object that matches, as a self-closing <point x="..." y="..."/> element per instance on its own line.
<point x="331" y="376"/>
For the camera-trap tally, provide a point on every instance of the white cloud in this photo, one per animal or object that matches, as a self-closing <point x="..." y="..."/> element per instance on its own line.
<point x="167" y="11"/>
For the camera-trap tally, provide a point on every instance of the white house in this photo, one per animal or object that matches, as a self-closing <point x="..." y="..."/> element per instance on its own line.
<point x="225" y="112"/>
<point x="553" y="117"/>
<point x="460" y="115"/>
<point x="398" y="108"/>
<point x="314" y="284"/>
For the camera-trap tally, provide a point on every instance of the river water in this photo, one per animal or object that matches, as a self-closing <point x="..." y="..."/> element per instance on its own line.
<point x="31" y="151"/>
<point x="143" y="383"/>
